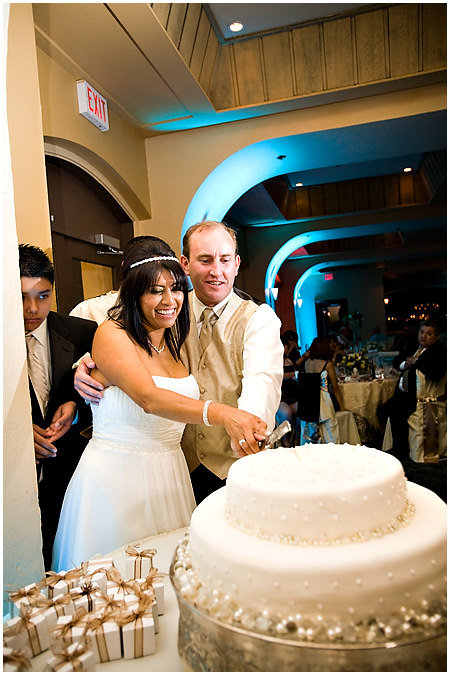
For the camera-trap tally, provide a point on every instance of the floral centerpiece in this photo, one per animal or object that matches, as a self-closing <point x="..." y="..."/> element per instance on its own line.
<point x="358" y="360"/>
<point x="373" y="346"/>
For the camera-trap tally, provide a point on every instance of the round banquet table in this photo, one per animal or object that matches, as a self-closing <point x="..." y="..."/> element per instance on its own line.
<point x="363" y="397"/>
<point x="166" y="658"/>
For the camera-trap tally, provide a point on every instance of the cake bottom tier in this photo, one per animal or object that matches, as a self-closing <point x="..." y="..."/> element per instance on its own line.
<point x="375" y="578"/>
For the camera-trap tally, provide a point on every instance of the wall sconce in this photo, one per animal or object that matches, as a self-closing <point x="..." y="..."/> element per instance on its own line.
<point x="386" y="301"/>
<point x="274" y="293"/>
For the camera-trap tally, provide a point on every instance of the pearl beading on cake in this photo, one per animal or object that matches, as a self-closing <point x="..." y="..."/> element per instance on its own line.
<point x="424" y="619"/>
<point x="376" y="533"/>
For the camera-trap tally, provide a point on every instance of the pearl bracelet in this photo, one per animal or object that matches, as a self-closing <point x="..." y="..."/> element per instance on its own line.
<point x="206" y="421"/>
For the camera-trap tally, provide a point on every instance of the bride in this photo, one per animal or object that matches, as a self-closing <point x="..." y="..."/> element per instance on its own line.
<point x="132" y="480"/>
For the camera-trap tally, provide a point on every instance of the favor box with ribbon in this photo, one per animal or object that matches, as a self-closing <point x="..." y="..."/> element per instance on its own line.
<point x="74" y="658"/>
<point x="98" y="563"/>
<point x="132" y="602"/>
<point x="27" y="631"/>
<point x="105" y="638"/>
<point x="64" y="629"/>
<point x="157" y="586"/>
<point x="23" y="596"/>
<point x="138" y="637"/>
<point x="62" y="605"/>
<point x="138" y="563"/>
<point x="59" y="583"/>
<point x="15" y="661"/>
<point x="85" y="596"/>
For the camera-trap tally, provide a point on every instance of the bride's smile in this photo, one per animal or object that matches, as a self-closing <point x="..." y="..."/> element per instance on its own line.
<point x="162" y="303"/>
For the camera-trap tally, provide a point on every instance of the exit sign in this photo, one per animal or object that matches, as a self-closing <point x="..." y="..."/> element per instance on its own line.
<point x="92" y="105"/>
<point x="328" y="277"/>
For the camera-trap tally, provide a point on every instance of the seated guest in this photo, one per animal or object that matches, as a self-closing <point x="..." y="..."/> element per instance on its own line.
<point x="315" y="407"/>
<point x="422" y="381"/>
<point x="54" y="342"/>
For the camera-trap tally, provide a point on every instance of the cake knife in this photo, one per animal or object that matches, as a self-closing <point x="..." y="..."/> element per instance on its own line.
<point x="275" y="436"/>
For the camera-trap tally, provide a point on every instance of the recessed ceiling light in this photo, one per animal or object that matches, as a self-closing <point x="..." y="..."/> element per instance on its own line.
<point x="299" y="185"/>
<point x="407" y="169"/>
<point x="236" y="26"/>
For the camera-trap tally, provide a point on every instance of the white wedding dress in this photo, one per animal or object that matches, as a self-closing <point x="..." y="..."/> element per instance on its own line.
<point x="132" y="480"/>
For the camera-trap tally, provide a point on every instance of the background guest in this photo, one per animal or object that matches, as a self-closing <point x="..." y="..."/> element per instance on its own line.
<point x="292" y="351"/>
<point x="54" y="342"/>
<point x="287" y="409"/>
<point x="428" y="358"/>
<point x="316" y="401"/>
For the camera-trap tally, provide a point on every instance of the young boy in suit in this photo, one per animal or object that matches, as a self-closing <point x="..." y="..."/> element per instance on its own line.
<point x="54" y="343"/>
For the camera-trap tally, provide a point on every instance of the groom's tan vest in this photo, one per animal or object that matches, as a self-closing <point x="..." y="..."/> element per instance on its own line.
<point x="218" y="371"/>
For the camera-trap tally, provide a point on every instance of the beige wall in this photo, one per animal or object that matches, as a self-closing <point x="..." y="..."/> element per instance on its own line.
<point x="25" y="131"/>
<point x="115" y="157"/>
<point x="22" y="558"/>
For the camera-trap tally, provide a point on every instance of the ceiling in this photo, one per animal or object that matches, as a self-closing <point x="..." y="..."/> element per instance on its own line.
<point x="123" y="51"/>
<point x="261" y="17"/>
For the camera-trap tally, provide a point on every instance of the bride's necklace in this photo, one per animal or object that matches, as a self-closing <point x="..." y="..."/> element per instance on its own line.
<point x="158" y="351"/>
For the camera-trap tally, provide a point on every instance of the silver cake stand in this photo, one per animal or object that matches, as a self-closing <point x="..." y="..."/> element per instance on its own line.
<point x="205" y="644"/>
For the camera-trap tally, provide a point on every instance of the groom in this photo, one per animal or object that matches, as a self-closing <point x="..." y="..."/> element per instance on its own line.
<point x="235" y="352"/>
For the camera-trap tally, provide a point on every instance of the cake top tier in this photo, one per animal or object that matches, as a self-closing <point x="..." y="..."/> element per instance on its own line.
<point x="317" y="493"/>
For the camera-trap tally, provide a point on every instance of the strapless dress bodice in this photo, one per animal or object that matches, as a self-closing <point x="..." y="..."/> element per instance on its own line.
<point x="119" y="420"/>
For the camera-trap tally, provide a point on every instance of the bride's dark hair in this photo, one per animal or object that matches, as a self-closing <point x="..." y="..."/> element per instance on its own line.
<point x="138" y="280"/>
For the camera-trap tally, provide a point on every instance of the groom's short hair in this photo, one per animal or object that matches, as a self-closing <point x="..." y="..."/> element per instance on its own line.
<point x="207" y="225"/>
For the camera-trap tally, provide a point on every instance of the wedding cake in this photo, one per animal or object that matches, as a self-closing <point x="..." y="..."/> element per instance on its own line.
<point x="318" y="542"/>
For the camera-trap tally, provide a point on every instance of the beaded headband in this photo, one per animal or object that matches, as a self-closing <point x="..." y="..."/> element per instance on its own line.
<point x="160" y="257"/>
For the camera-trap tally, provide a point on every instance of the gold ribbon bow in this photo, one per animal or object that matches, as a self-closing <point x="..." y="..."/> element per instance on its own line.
<point x="128" y="587"/>
<point x="146" y="553"/>
<point x="25" y="623"/>
<point x="61" y="631"/>
<point x="71" y="654"/>
<point x="22" y="593"/>
<point x="18" y="659"/>
<point x="152" y="576"/>
<point x="111" y="606"/>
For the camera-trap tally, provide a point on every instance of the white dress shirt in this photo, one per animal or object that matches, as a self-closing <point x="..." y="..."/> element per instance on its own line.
<point x="43" y="352"/>
<point x="263" y="360"/>
<point x="95" y="309"/>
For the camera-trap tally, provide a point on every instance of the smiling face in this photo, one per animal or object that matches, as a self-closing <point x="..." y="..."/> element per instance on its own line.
<point x="37" y="295"/>
<point x="427" y="336"/>
<point x="212" y="264"/>
<point x="162" y="303"/>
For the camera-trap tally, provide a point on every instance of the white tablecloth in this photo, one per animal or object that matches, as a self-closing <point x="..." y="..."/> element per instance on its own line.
<point x="166" y="659"/>
<point x="348" y="431"/>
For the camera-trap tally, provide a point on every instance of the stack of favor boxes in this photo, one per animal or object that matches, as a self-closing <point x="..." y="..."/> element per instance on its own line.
<point x="87" y="615"/>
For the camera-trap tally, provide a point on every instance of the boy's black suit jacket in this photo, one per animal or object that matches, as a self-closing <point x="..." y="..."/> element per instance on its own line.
<point x="70" y="338"/>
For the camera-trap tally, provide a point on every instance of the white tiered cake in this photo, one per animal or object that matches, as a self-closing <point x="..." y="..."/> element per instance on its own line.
<point x="322" y="538"/>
